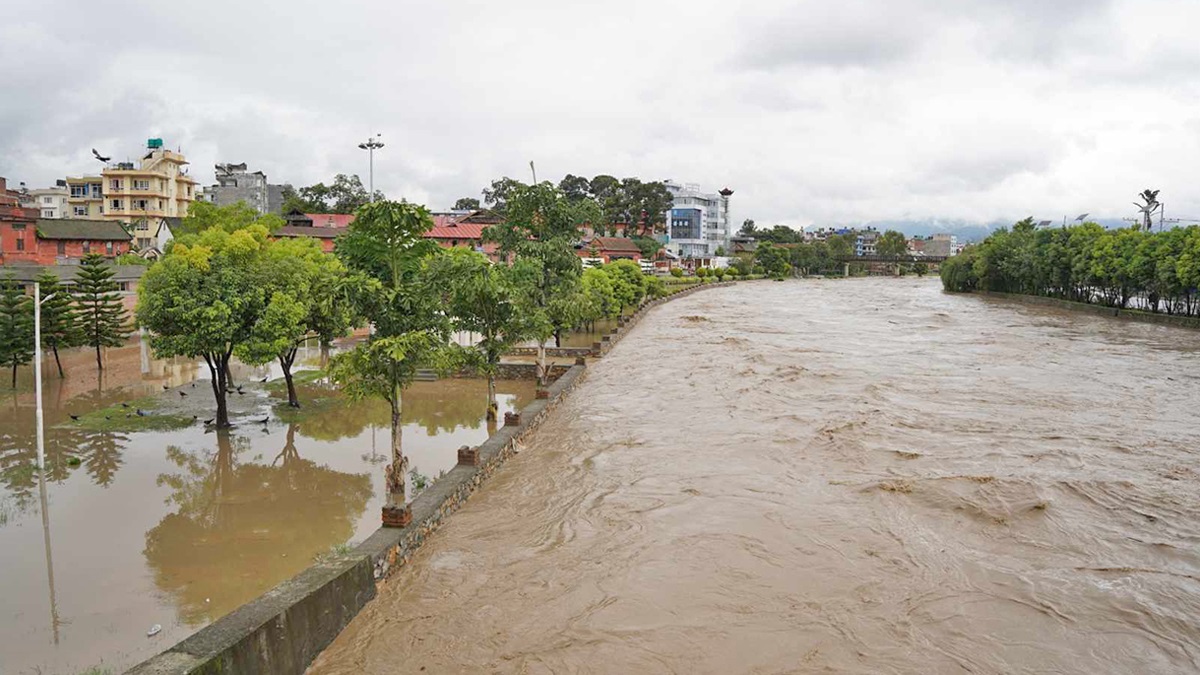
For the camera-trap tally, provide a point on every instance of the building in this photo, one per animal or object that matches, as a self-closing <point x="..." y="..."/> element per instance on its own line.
<point x="698" y="222"/>
<point x="85" y="197"/>
<point x="158" y="187"/>
<point x="324" y="227"/>
<point x="150" y="235"/>
<point x="16" y="224"/>
<point x="455" y="229"/>
<point x="603" y="250"/>
<point x="942" y="244"/>
<point x="864" y="242"/>
<point x="236" y="184"/>
<point x="50" y="202"/>
<point x="125" y="276"/>
<point x="61" y="241"/>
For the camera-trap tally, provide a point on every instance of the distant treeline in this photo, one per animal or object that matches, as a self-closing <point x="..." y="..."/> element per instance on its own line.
<point x="1128" y="267"/>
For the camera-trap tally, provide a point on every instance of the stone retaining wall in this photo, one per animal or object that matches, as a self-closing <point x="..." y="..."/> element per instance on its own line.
<point x="1129" y="314"/>
<point x="283" y="630"/>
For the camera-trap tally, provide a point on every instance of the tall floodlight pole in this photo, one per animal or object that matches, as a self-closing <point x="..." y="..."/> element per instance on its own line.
<point x="37" y="372"/>
<point x="371" y="145"/>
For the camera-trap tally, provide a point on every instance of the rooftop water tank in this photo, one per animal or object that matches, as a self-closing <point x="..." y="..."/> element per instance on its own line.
<point x="154" y="143"/>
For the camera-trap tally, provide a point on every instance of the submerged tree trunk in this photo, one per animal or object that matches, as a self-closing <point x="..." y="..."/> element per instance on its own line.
<point x="57" y="362"/>
<point x="285" y="362"/>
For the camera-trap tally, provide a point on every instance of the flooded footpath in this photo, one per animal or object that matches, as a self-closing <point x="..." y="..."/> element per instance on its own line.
<point x="858" y="476"/>
<point x="178" y="527"/>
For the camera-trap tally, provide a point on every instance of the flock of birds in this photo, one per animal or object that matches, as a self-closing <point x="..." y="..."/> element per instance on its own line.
<point x="208" y="423"/>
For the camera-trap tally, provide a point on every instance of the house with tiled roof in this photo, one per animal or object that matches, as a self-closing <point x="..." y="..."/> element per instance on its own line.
<point x="58" y="241"/>
<point x="324" y="227"/>
<point x="608" y="249"/>
<point x="452" y="230"/>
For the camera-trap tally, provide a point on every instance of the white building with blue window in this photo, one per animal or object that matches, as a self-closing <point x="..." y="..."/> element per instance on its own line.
<point x="698" y="222"/>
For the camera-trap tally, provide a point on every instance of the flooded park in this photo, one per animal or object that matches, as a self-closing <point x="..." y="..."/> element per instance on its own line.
<point x="178" y="527"/>
<point x="859" y="476"/>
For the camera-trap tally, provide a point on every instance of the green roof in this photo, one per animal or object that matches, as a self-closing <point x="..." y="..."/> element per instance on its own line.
<point x="92" y="230"/>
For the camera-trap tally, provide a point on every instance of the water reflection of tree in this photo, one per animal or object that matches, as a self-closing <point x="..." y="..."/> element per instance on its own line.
<point x="241" y="528"/>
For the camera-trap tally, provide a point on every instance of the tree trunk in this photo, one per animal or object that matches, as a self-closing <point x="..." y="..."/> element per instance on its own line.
<point x="558" y="338"/>
<point x="285" y="362"/>
<point x="396" y="472"/>
<point x="57" y="362"/>
<point x="217" y="370"/>
<point x="99" y="363"/>
<point x="324" y="355"/>
<point x="14" y="374"/>
<point x="541" y="362"/>
<point x="228" y="374"/>
<point x="493" y="409"/>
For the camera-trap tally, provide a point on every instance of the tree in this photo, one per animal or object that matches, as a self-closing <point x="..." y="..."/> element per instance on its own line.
<point x="386" y="244"/>
<point x="466" y="204"/>
<point x="102" y="316"/>
<point x="774" y="260"/>
<point x="309" y="292"/>
<point x="204" y="299"/>
<point x="647" y="246"/>
<point x="575" y="188"/>
<point x="540" y="230"/>
<point x="921" y="269"/>
<point x="748" y="228"/>
<point x="60" y="325"/>
<point x="676" y="272"/>
<point x="16" y="326"/>
<point x="839" y="246"/>
<point x="629" y="284"/>
<point x="482" y="298"/>
<point x="344" y="195"/>
<point x="891" y="243"/>
<point x="496" y="196"/>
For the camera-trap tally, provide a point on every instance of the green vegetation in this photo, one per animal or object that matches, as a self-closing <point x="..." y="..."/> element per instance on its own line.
<point x="98" y="306"/>
<point x="625" y="201"/>
<point x="891" y="243"/>
<point x="16" y="326"/>
<point x="60" y="327"/>
<point x="1156" y="271"/>
<point x="345" y="195"/>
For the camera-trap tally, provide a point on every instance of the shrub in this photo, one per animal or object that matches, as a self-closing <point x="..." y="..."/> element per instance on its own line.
<point x="702" y="272"/>
<point x="676" y="272"/>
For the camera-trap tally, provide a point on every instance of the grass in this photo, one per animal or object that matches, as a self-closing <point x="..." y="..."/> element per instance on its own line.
<point x="126" y="419"/>
<point x="279" y="384"/>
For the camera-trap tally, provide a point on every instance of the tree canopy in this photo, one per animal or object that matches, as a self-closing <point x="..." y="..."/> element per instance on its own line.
<point x="344" y="195"/>
<point x="102" y="316"/>
<point x="16" y="326"/>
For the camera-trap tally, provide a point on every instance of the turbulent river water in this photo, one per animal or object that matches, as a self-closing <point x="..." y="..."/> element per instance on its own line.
<point x="864" y="476"/>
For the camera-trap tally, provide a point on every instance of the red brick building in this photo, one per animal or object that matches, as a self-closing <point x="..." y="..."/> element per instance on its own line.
<point x="608" y="249"/>
<point x="16" y="226"/>
<point x="324" y="227"/>
<point x="49" y="242"/>
<point x="453" y="230"/>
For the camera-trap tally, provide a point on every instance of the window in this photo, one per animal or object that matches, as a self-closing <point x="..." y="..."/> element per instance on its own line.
<point x="47" y="200"/>
<point x="18" y="226"/>
<point x="141" y="204"/>
<point x="81" y="210"/>
<point x="108" y="247"/>
<point x="87" y="247"/>
<point x="160" y="205"/>
<point x="115" y="184"/>
<point x="47" y="213"/>
<point x="79" y="190"/>
<point x="62" y="247"/>
<point x="116" y="204"/>
<point x="96" y="189"/>
<point x="141" y="185"/>
<point x="21" y="244"/>
<point x="189" y="190"/>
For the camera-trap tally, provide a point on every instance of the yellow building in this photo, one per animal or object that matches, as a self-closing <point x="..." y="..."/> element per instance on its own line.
<point x="159" y="187"/>
<point x="85" y="198"/>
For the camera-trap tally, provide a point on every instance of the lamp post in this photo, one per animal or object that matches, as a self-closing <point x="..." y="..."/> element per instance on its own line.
<point x="371" y="145"/>
<point x="37" y="371"/>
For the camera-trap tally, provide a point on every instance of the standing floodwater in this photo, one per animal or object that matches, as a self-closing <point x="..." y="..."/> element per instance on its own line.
<point x="854" y="476"/>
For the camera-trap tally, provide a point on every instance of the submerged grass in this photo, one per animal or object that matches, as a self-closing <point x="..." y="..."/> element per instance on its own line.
<point x="124" y="418"/>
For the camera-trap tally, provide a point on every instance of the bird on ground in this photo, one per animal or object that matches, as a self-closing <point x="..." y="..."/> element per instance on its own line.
<point x="265" y="420"/>
<point x="241" y="393"/>
<point x="142" y="413"/>
<point x="107" y="417"/>
<point x="165" y="387"/>
<point x="193" y="385"/>
<point x="100" y="157"/>
<point x="208" y="422"/>
<point x="263" y="381"/>
<point x="182" y="395"/>
<point x="124" y="404"/>
<point x="74" y="417"/>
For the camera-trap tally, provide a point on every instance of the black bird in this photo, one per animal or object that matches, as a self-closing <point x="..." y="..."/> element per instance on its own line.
<point x="74" y="417"/>
<point x="208" y="422"/>
<point x="142" y="413"/>
<point x="100" y="157"/>
<point x="193" y="385"/>
<point x="263" y="381"/>
<point x="240" y="392"/>
<point x="124" y="404"/>
<point x="182" y="395"/>
<point x="265" y="420"/>
<point x="194" y="418"/>
<point x="165" y="387"/>
<point x="107" y="417"/>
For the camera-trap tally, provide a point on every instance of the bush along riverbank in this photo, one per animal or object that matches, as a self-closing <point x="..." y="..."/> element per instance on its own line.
<point x="1156" y="273"/>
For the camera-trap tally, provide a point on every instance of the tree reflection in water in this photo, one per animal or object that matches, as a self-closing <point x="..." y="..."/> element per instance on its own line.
<point x="241" y="528"/>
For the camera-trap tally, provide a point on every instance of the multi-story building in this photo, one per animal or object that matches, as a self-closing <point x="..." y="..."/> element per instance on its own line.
<point x="158" y="187"/>
<point x="942" y="244"/>
<point x="16" y="225"/>
<point x="864" y="241"/>
<point x="235" y="184"/>
<point x="51" y="202"/>
<point x="698" y="222"/>
<point x="85" y="197"/>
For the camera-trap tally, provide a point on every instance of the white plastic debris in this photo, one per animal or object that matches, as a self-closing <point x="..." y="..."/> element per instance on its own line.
<point x="154" y="630"/>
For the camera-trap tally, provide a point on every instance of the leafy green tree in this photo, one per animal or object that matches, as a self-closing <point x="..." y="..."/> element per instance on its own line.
<point x="629" y="284"/>
<point x="774" y="260"/>
<point x="702" y="272"/>
<point x="748" y="228"/>
<point x="647" y="246"/>
<point x="539" y="231"/>
<point x="412" y="331"/>
<point x="345" y="195"/>
<point x="102" y="317"/>
<point x="16" y="326"/>
<point x="891" y="243"/>
<point x="60" y="325"/>
<point x="204" y="299"/>
<point x="482" y="298"/>
<point x="205" y="215"/>
<point x="466" y="204"/>
<point x="496" y="195"/>
<point x="575" y="188"/>
<point x="839" y="246"/>
<point x="921" y="269"/>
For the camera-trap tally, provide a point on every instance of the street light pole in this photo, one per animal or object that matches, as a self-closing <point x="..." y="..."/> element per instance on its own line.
<point x="37" y="373"/>
<point x="371" y="145"/>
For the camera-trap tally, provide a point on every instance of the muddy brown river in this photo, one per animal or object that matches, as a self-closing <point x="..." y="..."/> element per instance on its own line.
<point x="857" y="476"/>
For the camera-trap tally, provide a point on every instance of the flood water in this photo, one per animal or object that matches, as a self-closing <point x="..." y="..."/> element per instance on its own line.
<point x="179" y="528"/>
<point x="858" y="476"/>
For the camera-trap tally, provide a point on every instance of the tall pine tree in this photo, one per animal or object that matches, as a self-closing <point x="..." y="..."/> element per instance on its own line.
<point x="16" y="326"/>
<point x="101" y="315"/>
<point x="60" y="326"/>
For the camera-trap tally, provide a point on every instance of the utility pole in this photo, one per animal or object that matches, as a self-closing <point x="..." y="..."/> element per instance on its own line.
<point x="37" y="372"/>
<point x="371" y="145"/>
<point x="533" y="171"/>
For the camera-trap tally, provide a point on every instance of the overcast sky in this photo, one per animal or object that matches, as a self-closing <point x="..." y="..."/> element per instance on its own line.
<point x="812" y="112"/>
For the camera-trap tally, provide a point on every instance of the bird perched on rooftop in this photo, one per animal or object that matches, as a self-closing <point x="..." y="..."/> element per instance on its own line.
<point x="100" y="157"/>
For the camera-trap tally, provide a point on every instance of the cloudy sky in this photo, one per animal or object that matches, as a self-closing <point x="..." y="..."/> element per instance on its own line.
<point x="813" y="112"/>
